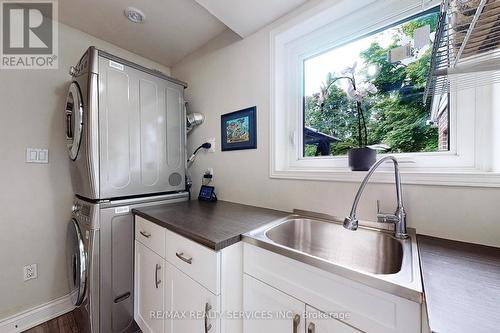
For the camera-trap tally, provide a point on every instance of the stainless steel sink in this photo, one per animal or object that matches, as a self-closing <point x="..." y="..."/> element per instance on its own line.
<point x="370" y="255"/>
<point x="364" y="250"/>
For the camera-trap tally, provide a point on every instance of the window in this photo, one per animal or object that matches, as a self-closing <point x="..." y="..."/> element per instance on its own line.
<point x="370" y="92"/>
<point x="452" y="140"/>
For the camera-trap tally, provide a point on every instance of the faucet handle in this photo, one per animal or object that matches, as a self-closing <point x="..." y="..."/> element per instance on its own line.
<point x="385" y="218"/>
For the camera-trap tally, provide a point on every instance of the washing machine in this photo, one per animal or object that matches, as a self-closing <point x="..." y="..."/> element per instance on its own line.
<point x="83" y="264"/>
<point x="125" y="129"/>
<point x="101" y="261"/>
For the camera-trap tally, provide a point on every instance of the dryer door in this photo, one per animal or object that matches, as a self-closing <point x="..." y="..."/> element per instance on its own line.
<point x="74" y="120"/>
<point x="77" y="264"/>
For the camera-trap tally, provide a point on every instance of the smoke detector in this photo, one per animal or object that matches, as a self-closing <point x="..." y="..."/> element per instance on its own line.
<point x="134" y="15"/>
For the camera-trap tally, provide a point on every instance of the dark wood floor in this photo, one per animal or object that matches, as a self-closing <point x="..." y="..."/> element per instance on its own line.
<point x="63" y="324"/>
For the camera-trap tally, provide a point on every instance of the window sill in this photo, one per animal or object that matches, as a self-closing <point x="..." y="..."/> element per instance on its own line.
<point x="446" y="178"/>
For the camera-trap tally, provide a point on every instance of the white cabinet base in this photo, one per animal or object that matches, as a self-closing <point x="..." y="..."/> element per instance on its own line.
<point x="365" y="308"/>
<point x="194" y="280"/>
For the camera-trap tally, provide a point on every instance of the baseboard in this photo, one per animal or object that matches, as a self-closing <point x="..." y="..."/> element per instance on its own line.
<point x="37" y="315"/>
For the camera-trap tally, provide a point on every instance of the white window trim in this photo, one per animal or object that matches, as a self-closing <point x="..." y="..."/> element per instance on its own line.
<point x="317" y="29"/>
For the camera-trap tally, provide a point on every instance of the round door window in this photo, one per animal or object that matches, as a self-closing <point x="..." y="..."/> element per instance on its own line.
<point x="77" y="264"/>
<point x="74" y="120"/>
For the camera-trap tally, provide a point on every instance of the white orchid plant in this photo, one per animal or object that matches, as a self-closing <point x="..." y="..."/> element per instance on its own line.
<point x="356" y="92"/>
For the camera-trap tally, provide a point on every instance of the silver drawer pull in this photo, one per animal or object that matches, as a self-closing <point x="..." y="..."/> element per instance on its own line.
<point x="311" y="328"/>
<point x="208" y="326"/>
<point x="145" y="234"/>
<point x="296" y="323"/>
<point x="157" y="282"/>
<point x="184" y="258"/>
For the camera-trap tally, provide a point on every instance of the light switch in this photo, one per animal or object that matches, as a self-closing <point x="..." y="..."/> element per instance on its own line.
<point x="33" y="156"/>
<point x="43" y="156"/>
<point x="37" y="155"/>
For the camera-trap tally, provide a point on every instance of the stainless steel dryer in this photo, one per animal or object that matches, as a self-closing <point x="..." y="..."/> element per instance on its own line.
<point x="101" y="262"/>
<point x="125" y="129"/>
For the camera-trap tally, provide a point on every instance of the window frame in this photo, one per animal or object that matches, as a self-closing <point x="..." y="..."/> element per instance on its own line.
<point x="316" y="31"/>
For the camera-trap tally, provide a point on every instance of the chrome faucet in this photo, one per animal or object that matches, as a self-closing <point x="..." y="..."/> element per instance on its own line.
<point x="398" y="218"/>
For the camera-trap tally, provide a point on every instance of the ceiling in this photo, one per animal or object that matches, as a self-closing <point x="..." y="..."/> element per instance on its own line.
<point x="246" y="17"/>
<point x="173" y="28"/>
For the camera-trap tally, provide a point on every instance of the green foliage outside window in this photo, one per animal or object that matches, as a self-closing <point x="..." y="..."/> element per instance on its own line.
<point x="395" y="115"/>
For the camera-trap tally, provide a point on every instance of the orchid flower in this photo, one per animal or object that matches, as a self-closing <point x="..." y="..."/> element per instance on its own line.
<point x="350" y="70"/>
<point x="322" y="96"/>
<point x="363" y="90"/>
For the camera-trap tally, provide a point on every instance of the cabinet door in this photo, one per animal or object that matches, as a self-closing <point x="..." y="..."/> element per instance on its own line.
<point x="149" y="289"/>
<point x="319" y="322"/>
<point x="192" y="308"/>
<point x="273" y="311"/>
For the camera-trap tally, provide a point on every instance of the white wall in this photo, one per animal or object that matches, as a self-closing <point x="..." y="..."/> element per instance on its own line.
<point x="36" y="199"/>
<point x="228" y="74"/>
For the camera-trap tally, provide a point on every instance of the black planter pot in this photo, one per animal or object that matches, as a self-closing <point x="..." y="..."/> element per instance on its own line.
<point x="362" y="159"/>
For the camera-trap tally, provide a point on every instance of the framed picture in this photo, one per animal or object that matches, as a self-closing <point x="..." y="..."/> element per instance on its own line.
<point x="239" y="130"/>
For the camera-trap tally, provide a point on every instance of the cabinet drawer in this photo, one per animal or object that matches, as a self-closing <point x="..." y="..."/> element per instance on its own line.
<point x="150" y="234"/>
<point x="197" y="261"/>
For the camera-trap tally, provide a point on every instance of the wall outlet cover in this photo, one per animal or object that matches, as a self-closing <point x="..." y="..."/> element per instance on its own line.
<point x="30" y="272"/>
<point x="209" y="171"/>
<point x="212" y="142"/>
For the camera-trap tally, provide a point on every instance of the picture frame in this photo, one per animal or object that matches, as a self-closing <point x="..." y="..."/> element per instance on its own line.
<point x="239" y="130"/>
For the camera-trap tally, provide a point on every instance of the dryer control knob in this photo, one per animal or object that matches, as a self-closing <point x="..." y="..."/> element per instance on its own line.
<point x="72" y="71"/>
<point x="75" y="208"/>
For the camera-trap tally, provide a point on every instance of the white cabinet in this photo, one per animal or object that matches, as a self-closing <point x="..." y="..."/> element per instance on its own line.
<point x="186" y="287"/>
<point x="149" y="289"/>
<point x="278" y="312"/>
<point x="320" y="322"/>
<point x="198" y="305"/>
<point x="352" y="306"/>
<point x="273" y="310"/>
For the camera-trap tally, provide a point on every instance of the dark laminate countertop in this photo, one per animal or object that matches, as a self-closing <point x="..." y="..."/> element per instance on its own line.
<point x="215" y="225"/>
<point x="461" y="285"/>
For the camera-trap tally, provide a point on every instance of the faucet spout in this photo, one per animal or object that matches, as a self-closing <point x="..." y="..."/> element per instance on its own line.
<point x="398" y="218"/>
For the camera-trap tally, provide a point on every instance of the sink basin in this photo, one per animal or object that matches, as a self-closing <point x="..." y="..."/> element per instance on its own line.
<point x="365" y="250"/>
<point x="369" y="255"/>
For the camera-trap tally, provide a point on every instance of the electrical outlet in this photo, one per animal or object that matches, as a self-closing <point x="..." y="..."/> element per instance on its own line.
<point x="212" y="142"/>
<point x="30" y="272"/>
<point x="210" y="171"/>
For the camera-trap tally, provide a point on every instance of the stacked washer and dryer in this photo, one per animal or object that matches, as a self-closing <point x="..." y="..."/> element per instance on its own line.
<point x="126" y="135"/>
